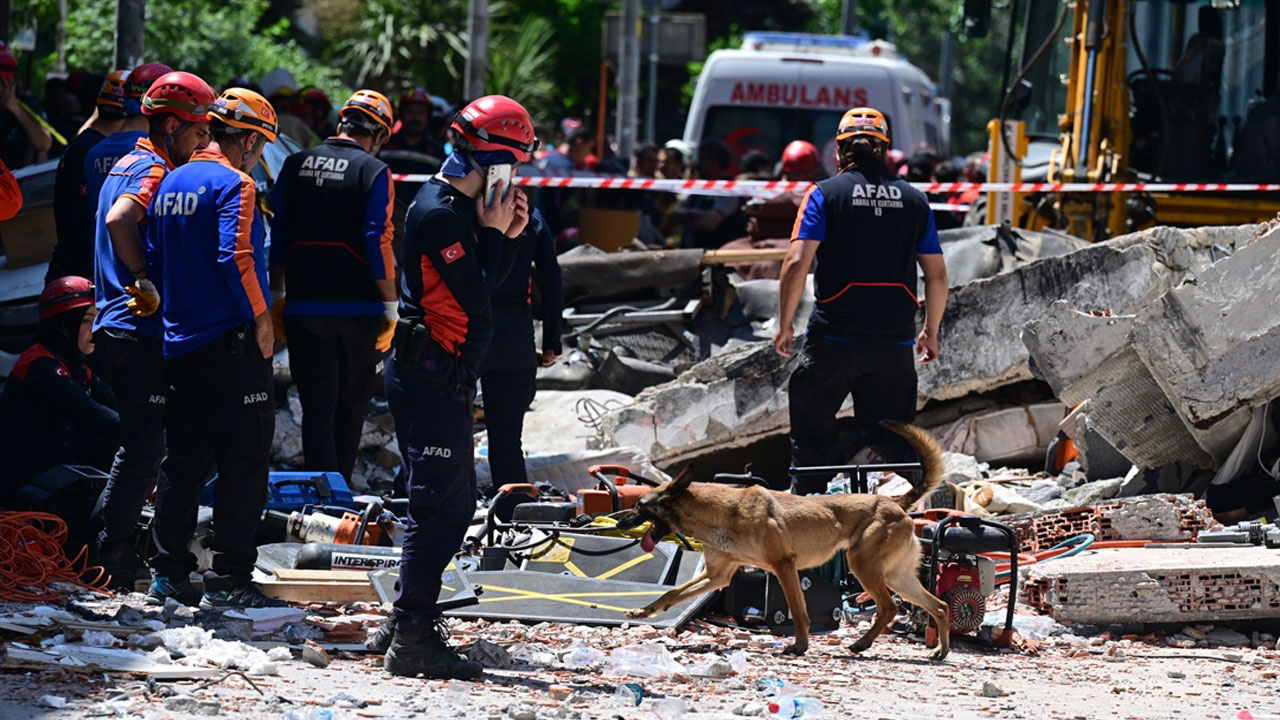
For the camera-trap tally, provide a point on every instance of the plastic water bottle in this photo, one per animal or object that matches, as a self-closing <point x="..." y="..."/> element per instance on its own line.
<point x="777" y="687"/>
<point x="794" y="707"/>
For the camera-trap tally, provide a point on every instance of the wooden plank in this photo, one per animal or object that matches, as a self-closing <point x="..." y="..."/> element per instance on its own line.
<point x="319" y="592"/>
<point x="734" y="257"/>
<point x="291" y="575"/>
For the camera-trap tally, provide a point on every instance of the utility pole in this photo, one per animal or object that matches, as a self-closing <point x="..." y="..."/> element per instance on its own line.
<point x="131" y="19"/>
<point x="628" y="76"/>
<point x="849" y="17"/>
<point x="946" y="65"/>
<point x="477" y="49"/>
<point x="61" y="64"/>
<point x="4" y="21"/>
<point x="651" y="112"/>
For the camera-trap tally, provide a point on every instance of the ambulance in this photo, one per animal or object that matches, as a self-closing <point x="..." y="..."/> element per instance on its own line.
<point x="781" y="87"/>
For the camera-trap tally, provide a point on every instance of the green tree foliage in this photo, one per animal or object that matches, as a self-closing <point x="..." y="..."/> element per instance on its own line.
<point x="216" y="39"/>
<point x="522" y="60"/>
<point x="399" y="44"/>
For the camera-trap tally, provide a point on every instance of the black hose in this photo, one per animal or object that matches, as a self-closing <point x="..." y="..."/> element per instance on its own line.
<point x="1165" y="125"/>
<point x="1022" y="75"/>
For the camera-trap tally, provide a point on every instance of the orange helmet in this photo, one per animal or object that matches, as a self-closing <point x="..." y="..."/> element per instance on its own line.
<point x="367" y="106"/>
<point x="863" y="121"/>
<point x="246" y="110"/>
<point x="112" y="93"/>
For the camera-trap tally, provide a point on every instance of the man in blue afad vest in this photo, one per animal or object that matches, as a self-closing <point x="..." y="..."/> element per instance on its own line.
<point x="867" y="230"/>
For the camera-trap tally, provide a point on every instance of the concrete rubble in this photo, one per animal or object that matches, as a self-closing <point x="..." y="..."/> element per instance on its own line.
<point x="1173" y="379"/>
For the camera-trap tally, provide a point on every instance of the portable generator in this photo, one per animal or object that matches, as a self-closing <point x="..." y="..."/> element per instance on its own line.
<point x="959" y="574"/>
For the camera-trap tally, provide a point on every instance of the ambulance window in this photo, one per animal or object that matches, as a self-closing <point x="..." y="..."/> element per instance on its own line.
<point x="931" y="136"/>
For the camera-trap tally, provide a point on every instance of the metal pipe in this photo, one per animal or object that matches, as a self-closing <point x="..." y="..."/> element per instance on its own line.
<point x="651" y="113"/>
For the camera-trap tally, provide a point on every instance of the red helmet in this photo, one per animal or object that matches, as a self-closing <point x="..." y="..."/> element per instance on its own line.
<point x="317" y="99"/>
<point x="64" y="294"/>
<point x="138" y="82"/>
<point x="180" y="93"/>
<point x="496" y="122"/>
<point x="8" y="63"/>
<point x="416" y="95"/>
<point x="799" y="157"/>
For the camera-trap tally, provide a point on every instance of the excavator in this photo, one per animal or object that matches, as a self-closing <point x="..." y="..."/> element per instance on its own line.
<point x="1138" y="91"/>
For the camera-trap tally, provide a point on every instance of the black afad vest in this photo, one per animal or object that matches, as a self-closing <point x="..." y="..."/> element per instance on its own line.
<point x="326" y="191"/>
<point x="865" y="277"/>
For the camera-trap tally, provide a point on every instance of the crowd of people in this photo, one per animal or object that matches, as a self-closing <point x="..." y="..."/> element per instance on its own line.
<point x="163" y="307"/>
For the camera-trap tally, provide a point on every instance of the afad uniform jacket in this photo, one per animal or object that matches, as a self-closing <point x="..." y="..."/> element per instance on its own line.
<point x="135" y="176"/>
<point x="209" y="243"/>
<point x="450" y="270"/>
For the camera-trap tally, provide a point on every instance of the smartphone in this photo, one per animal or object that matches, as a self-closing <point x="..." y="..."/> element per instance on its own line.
<point x="493" y="174"/>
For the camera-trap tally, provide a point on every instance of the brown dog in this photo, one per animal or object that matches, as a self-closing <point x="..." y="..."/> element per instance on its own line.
<point x="784" y="533"/>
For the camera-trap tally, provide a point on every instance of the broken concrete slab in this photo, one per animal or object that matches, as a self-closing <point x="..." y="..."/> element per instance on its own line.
<point x="603" y="276"/>
<point x="973" y="253"/>
<point x="1167" y="585"/>
<point x="1174" y="380"/>
<point x="731" y="400"/>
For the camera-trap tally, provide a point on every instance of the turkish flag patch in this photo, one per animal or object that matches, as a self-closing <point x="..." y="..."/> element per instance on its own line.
<point x="150" y="183"/>
<point x="453" y="252"/>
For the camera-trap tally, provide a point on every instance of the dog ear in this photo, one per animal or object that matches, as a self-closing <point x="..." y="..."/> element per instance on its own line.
<point x="682" y="480"/>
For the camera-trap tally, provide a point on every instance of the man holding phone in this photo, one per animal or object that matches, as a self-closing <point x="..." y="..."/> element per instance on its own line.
<point x="461" y="234"/>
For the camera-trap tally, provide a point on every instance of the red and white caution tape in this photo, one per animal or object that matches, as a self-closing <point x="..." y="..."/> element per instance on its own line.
<point x="744" y="188"/>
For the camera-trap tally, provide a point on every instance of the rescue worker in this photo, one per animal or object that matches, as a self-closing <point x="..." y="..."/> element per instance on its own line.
<point x="414" y="133"/>
<point x="458" y="245"/>
<point x="868" y="230"/>
<point x="314" y="107"/>
<point x="54" y="410"/>
<point x="217" y="343"/>
<point x="331" y="249"/>
<point x="509" y="373"/>
<point x="102" y="157"/>
<point x="128" y="329"/>
<point x="73" y="220"/>
<point x="800" y="162"/>
<point x="23" y="140"/>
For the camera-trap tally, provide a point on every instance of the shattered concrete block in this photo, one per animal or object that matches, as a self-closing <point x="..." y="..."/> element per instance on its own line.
<point x="286" y="443"/>
<point x="731" y="400"/>
<point x="1180" y="585"/>
<point x="1173" y="382"/>
<point x="984" y="319"/>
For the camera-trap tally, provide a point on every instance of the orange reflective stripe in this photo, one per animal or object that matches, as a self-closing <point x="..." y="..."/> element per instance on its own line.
<point x="244" y="246"/>
<point x="388" y="232"/>
<point x="804" y="205"/>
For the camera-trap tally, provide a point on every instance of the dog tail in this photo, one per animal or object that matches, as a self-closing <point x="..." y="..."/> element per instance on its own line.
<point x="930" y="459"/>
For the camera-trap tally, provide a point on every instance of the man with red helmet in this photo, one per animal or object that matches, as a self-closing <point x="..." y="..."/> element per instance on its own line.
<point x="218" y="340"/>
<point x="23" y="140"/>
<point x="415" y="125"/>
<point x="331" y="233"/>
<point x="54" y="410"/>
<point x="127" y="328"/>
<point x="868" y="231"/>
<point x="313" y="106"/>
<point x="800" y="162"/>
<point x="73" y="219"/>
<point x="100" y="159"/>
<point x="459" y="244"/>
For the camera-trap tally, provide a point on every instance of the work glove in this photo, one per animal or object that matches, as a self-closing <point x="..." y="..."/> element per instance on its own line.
<point x="390" y="316"/>
<point x="146" y="299"/>
<point x="277" y="315"/>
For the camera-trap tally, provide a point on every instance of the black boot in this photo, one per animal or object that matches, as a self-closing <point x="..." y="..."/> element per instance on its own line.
<point x="426" y="651"/>
<point x="380" y="640"/>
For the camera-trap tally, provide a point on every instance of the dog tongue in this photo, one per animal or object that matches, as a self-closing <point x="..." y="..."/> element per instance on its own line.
<point x="648" y="543"/>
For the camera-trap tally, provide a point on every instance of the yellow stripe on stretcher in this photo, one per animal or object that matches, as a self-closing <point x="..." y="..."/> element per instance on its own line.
<point x="571" y="598"/>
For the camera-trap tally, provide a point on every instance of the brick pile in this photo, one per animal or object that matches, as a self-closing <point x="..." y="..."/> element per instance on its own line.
<point x="1145" y="517"/>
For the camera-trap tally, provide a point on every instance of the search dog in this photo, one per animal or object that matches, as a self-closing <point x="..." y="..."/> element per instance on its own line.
<point x="785" y="533"/>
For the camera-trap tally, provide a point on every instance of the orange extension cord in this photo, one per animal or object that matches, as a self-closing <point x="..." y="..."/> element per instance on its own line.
<point x="31" y="559"/>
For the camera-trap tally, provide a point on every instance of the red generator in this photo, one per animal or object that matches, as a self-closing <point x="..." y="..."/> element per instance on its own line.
<point x="960" y="576"/>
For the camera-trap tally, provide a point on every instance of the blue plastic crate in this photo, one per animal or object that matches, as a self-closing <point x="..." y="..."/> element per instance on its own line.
<point x="289" y="491"/>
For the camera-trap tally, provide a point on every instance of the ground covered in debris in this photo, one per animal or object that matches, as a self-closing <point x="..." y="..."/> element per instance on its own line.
<point x="705" y="670"/>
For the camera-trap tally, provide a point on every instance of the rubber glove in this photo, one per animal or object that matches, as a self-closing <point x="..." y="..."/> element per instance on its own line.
<point x="146" y="299"/>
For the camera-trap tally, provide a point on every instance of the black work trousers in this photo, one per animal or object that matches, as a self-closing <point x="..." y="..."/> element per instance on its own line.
<point x="882" y="380"/>
<point x="335" y="366"/>
<point x="221" y="419"/>
<point x="133" y="365"/>
<point x="431" y="405"/>
<point x="508" y="381"/>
